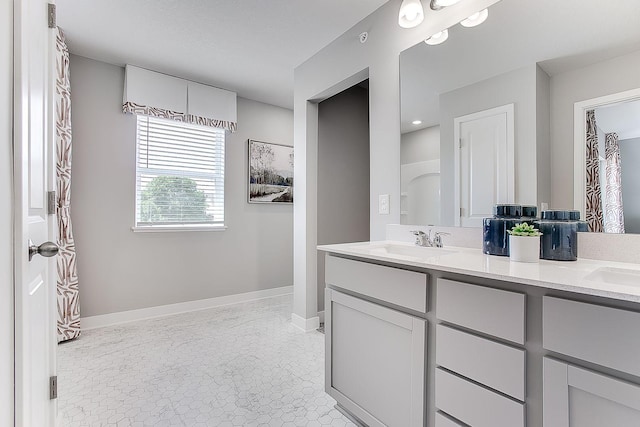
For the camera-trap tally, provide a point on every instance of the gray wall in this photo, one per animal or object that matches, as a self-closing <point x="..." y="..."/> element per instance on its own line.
<point x="420" y="145"/>
<point x="630" y="157"/>
<point x="336" y="67"/>
<point x="6" y="214"/>
<point x="517" y="87"/>
<point x="600" y="79"/>
<point x="343" y="172"/>
<point x="121" y="270"/>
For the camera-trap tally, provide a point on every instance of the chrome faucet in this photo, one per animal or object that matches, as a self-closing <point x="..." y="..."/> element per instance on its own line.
<point x="437" y="240"/>
<point x="424" y="239"/>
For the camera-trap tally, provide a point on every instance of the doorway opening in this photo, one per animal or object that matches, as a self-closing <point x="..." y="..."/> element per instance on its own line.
<point x="343" y="172"/>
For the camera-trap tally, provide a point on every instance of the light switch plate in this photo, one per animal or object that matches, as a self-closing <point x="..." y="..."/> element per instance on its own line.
<point x="383" y="204"/>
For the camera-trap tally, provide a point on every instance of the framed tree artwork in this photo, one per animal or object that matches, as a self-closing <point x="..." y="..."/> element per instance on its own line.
<point x="270" y="173"/>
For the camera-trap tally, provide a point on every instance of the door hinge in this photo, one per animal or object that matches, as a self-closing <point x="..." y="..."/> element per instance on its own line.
<point x="460" y="143"/>
<point x="461" y="212"/>
<point x="51" y="15"/>
<point x="53" y="387"/>
<point x="51" y="202"/>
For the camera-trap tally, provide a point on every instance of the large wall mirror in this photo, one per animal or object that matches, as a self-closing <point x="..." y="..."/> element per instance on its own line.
<point x="488" y="116"/>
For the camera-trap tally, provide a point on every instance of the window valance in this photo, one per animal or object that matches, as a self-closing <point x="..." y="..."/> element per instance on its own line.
<point x="159" y="95"/>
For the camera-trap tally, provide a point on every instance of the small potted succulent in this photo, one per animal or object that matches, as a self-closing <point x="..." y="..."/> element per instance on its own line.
<point x="524" y="243"/>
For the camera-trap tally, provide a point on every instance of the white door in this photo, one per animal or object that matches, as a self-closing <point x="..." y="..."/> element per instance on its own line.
<point x="484" y="164"/>
<point x="34" y="283"/>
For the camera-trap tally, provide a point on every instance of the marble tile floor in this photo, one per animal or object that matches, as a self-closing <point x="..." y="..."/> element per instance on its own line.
<point x="238" y="365"/>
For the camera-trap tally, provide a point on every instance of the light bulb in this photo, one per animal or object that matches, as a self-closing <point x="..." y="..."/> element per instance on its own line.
<point x="439" y="4"/>
<point x="475" y="19"/>
<point x="416" y="122"/>
<point x="437" y="38"/>
<point x="411" y="14"/>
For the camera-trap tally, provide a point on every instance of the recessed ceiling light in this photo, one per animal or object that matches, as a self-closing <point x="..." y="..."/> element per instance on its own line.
<point x="411" y="14"/>
<point x="439" y="4"/>
<point x="475" y="19"/>
<point x="416" y="122"/>
<point x="437" y="38"/>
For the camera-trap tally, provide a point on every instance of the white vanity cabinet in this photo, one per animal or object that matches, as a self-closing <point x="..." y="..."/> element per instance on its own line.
<point x="606" y="336"/>
<point x="375" y="355"/>
<point x="456" y="342"/>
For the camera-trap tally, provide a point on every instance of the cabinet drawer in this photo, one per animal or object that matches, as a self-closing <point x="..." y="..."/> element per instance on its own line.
<point x="607" y="336"/>
<point x="444" y="421"/>
<point x="495" y="365"/>
<point x="475" y="405"/>
<point x="400" y="287"/>
<point x="492" y="311"/>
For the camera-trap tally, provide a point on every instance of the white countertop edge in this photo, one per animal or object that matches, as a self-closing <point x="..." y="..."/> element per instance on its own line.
<point x="567" y="275"/>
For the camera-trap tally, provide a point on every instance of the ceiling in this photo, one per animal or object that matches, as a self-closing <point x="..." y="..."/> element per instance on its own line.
<point x="558" y="35"/>
<point x="248" y="46"/>
<point x="621" y="118"/>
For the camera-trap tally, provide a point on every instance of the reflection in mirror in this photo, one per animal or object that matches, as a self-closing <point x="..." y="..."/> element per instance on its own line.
<point x="609" y="190"/>
<point x="540" y="58"/>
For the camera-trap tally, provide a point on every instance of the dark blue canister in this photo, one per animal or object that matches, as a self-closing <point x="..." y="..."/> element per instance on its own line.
<point x="495" y="236"/>
<point x="494" y="231"/>
<point x="507" y="211"/>
<point x="559" y="240"/>
<point x="560" y="215"/>
<point x="529" y="213"/>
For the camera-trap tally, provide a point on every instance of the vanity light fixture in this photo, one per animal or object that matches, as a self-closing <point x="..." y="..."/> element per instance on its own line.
<point x="475" y="19"/>
<point x="439" y="4"/>
<point x="438" y="38"/>
<point x="411" y="14"/>
<point x="416" y="122"/>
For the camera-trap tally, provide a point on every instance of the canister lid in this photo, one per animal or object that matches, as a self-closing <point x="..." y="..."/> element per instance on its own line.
<point x="507" y="211"/>
<point x="560" y="215"/>
<point x="530" y="211"/>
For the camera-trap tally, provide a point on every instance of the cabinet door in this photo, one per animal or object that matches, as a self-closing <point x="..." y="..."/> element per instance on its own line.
<point x="375" y="361"/>
<point x="576" y="397"/>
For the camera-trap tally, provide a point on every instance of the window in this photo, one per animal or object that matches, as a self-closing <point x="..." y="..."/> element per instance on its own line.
<point x="179" y="175"/>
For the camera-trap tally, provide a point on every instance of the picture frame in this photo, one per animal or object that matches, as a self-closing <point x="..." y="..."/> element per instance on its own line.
<point x="270" y="173"/>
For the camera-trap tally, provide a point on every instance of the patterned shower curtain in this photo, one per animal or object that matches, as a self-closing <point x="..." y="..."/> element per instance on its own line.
<point x="67" y="284"/>
<point x="593" y="215"/>
<point x="613" y="215"/>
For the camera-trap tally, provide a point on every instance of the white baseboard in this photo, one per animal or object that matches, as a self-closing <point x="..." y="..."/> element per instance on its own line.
<point x="102" y="320"/>
<point x="306" y="325"/>
<point x="321" y="316"/>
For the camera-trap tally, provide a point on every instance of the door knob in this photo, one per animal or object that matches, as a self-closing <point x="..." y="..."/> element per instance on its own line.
<point x="47" y="249"/>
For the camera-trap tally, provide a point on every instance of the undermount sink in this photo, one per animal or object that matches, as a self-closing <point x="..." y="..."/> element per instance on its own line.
<point x="417" y="252"/>
<point x="617" y="276"/>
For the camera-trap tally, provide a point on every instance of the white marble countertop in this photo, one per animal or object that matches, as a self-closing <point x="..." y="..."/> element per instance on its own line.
<point x="571" y="276"/>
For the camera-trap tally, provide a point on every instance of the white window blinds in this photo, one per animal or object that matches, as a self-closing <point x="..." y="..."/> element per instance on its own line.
<point x="179" y="174"/>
